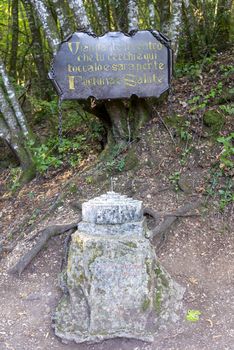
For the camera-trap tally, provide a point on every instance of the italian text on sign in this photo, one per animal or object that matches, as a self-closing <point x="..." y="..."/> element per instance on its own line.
<point x="115" y="65"/>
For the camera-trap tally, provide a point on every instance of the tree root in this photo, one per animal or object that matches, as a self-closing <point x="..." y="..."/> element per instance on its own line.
<point x="159" y="232"/>
<point x="45" y="235"/>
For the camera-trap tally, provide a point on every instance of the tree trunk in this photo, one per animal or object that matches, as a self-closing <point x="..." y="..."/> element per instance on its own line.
<point x="171" y="22"/>
<point x="132" y="15"/>
<point x="189" y="29"/>
<point x="103" y="20"/>
<point x="64" y="17"/>
<point x="37" y="50"/>
<point x="223" y="23"/>
<point x="122" y="119"/>
<point x="15" y="37"/>
<point x="164" y="13"/>
<point x="13" y="127"/>
<point x="14" y="101"/>
<point x="78" y="9"/>
<point x="4" y="131"/>
<point x="118" y="115"/>
<point x="152" y="14"/>
<point x="12" y="134"/>
<point x="48" y="23"/>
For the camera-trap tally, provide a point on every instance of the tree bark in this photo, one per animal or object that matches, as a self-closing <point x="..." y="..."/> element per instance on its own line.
<point x="118" y="118"/>
<point x="223" y="23"/>
<point x="64" y="17"/>
<point x="14" y="101"/>
<point x="48" y="23"/>
<point x="189" y="28"/>
<point x="103" y="20"/>
<point x="171" y="22"/>
<point x="14" y="129"/>
<point x="4" y="131"/>
<point x="122" y="119"/>
<point x="15" y="37"/>
<point x="37" y="50"/>
<point x="78" y="9"/>
<point x="12" y="134"/>
<point x="152" y="14"/>
<point x="132" y="15"/>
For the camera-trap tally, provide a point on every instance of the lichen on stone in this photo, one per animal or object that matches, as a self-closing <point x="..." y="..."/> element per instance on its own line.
<point x="146" y="304"/>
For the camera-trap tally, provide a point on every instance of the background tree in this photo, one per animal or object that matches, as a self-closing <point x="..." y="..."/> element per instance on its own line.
<point x="13" y="127"/>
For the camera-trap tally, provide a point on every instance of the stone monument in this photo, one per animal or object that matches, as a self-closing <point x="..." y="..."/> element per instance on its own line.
<point x="115" y="287"/>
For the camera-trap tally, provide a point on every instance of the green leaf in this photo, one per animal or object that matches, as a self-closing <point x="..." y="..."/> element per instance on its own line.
<point x="193" y="315"/>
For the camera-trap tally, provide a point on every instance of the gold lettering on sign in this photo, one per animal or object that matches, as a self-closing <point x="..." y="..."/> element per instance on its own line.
<point x="100" y="57"/>
<point x="74" y="47"/>
<point x="133" y="80"/>
<point x="161" y="66"/>
<point x="129" y="80"/>
<point x="159" y="46"/>
<point x="71" y="82"/>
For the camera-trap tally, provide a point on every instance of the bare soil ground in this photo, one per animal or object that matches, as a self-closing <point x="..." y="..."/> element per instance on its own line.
<point x="197" y="251"/>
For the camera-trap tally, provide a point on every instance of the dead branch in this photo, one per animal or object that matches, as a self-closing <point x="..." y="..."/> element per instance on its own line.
<point x="44" y="236"/>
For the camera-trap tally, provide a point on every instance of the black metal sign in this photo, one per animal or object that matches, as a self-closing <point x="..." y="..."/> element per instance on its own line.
<point x="115" y="65"/>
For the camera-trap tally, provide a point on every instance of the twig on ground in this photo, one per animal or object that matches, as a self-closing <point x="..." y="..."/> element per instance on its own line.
<point x="166" y="127"/>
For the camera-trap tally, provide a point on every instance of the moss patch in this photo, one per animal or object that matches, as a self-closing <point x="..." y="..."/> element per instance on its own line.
<point x="96" y="252"/>
<point x="148" y="266"/>
<point x="130" y="244"/>
<point x="80" y="278"/>
<point x="214" y="120"/>
<point x="161" y="278"/>
<point x="145" y="304"/>
<point x="158" y="300"/>
<point x="79" y="242"/>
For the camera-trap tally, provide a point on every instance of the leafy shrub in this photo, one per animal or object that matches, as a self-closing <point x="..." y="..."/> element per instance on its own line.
<point x="55" y="152"/>
<point x="226" y="156"/>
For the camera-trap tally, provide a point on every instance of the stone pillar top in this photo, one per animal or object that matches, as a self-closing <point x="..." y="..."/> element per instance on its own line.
<point x="112" y="212"/>
<point x="112" y="208"/>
